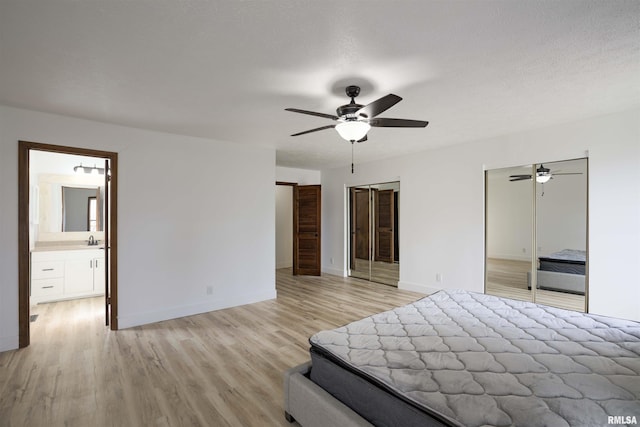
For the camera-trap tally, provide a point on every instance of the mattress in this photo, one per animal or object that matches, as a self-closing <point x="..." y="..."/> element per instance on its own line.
<point x="374" y="404"/>
<point x="570" y="261"/>
<point x="471" y="359"/>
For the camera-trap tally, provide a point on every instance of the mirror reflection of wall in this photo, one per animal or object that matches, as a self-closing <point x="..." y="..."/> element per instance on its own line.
<point x="80" y="209"/>
<point x="555" y="256"/>
<point x="374" y="227"/>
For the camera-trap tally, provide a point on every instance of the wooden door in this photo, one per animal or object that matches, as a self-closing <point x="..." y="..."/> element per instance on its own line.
<point x="306" y="231"/>
<point x="360" y="226"/>
<point x="384" y="203"/>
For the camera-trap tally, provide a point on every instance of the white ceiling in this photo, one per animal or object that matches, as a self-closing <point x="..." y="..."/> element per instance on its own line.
<point x="227" y="69"/>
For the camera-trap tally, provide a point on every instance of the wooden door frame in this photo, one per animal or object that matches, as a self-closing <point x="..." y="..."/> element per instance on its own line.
<point x="23" y="229"/>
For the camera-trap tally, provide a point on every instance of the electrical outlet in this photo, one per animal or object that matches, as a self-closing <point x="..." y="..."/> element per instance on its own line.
<point x="438" y="277"/>
<point x="331" y="260"/>
<point x="209" y="290"/>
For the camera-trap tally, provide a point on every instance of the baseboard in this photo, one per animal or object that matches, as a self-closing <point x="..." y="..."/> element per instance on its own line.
<point x="334" y="271"/>
<point x="417" y="287"/>
<point x="9" y="343"/>
<point x="284" y="265"/>
<point x="138" y="319"/>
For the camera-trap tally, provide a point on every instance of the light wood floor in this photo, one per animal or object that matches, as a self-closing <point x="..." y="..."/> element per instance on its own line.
<point x="216" y="369"/>
<point x="508" y="279"/>
<point x="381" y="272"/>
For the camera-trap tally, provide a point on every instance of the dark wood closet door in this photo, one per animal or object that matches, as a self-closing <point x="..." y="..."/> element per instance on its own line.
<point x="306" y="233"/>
<point x="361" y="223"/>
<point x="384" y="203"/>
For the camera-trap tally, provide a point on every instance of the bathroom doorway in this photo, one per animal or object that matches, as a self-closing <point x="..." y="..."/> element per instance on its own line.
<point x="98" y="222"/>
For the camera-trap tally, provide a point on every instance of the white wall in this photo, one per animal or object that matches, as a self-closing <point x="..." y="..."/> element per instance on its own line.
<point x="509" y="216"/>
<point x="298" y="176"/>
<point x="192" y="213"/>
<point x="442" y="207"/>
<point x="284" y="226"/>
<point x="562" y="213"/>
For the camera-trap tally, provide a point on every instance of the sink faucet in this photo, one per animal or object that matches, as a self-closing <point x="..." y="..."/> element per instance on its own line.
<point x="91" y="241"/>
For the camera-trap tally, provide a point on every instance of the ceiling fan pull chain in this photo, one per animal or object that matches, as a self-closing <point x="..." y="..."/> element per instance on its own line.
<point x="351" y="156"/>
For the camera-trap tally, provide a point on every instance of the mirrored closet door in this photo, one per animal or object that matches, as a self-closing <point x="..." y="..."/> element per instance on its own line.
<point x="536" y="233"/>
<point x="373" y="226"/>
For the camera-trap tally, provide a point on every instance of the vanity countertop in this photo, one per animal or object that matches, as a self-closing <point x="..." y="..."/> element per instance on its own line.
<point x="64" y="246"/>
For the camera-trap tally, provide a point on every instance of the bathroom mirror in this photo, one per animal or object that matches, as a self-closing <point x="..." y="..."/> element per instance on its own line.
<point x="80" y="209"/>
<point x="69" y="204"/>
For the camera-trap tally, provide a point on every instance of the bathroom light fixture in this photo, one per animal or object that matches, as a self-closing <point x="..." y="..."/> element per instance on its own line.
<point x="353" y="130"/>
<point x="88" y="169"/>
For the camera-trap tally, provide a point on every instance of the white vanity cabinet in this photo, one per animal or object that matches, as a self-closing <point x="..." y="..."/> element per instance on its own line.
<point x="66" y="274"/>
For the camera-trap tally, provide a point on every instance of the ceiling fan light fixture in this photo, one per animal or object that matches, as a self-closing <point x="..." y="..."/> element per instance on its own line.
<point x="353" y="130"/>
<point x="542" y="178"/>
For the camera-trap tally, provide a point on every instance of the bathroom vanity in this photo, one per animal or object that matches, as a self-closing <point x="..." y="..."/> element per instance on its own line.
<point x="66" y="272"/>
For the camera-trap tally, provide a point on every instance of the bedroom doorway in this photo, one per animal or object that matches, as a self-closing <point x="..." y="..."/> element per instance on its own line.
<point x="374" y="251"/>
<point x="536" y="234"/>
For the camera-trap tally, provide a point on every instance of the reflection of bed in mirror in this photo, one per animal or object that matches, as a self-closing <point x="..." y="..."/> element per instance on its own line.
<point x="562" y="271"/>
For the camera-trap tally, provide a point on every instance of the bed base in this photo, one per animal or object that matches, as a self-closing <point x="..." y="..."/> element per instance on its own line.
<point x="556" y="281"/>
<point x="308" y="404"/>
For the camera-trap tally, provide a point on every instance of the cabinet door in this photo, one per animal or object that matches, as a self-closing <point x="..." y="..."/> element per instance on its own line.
<point x="78" y="276"/>
<point x="98" y="274"/>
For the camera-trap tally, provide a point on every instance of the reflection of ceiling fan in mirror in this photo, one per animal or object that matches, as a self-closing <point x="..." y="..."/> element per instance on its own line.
<point x="542" y="175"/>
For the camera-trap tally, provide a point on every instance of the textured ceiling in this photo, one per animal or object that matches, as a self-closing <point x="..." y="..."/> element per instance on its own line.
<point x="227" y="69"/>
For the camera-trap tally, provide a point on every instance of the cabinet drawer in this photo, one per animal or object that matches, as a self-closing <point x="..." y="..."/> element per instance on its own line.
<point x="47" y="269"/>
<point x="46" y="287"/>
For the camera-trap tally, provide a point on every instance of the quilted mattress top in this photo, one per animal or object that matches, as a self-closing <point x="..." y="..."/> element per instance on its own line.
<point x="478" y="360"/>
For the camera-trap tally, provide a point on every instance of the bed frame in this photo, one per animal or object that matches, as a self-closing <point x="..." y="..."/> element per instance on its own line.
<point x="311" y="406"/>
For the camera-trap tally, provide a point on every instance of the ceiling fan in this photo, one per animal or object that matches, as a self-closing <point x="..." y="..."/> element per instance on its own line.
<point x="355" y="120"/>
<point x="542" y="175"/>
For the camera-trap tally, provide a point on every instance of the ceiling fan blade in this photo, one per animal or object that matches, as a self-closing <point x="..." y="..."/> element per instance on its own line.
<point x="519" y="177"/>
<point x="397" y="123"/>
<point x="568" y="173"/>
<point x="378" y="106"/>
<point x="363" y="139"/>
<point x="312" y="113"/>
<point x="314" y="130"/>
